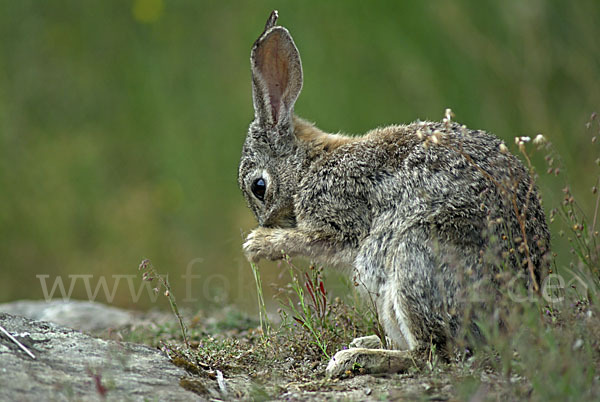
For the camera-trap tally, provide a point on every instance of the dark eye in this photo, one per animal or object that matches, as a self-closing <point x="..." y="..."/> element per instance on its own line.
<point x="259" y="187"/>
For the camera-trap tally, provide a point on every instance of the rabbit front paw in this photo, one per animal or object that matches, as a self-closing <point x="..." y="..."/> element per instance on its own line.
<point x="263" y="243"/>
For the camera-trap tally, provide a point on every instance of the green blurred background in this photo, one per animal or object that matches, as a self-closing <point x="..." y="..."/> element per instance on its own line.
<point x="121" y="122"/>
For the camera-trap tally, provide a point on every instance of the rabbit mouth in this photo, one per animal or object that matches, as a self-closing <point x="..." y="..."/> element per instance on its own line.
<point x="283" y="219"/>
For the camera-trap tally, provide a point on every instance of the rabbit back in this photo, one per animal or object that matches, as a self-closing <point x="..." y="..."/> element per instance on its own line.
<point x="421" y="219"/>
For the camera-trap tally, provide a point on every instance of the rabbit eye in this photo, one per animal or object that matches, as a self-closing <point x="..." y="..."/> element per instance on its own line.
<point x="259" y="187"/>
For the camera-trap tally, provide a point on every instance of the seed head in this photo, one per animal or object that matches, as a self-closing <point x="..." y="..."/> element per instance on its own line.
<point x="448" y="114"/>
<point x="539" y="139"/>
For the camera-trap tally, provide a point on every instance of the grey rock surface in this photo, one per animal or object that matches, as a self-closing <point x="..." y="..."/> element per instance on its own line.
<point x="70" y="365"/>
<point x="81" y="315"/>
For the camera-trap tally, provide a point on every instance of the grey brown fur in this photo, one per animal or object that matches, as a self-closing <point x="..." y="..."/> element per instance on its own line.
<point x="415" y="210"/>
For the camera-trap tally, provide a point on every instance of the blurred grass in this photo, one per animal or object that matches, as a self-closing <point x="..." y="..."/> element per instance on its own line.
<point x="121" y="122"/>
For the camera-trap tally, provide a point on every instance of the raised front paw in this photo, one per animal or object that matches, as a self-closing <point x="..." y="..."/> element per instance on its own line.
<point x="263" y="243"/>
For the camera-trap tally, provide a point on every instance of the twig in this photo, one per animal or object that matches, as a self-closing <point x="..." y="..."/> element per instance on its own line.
<point x="221" y="382"/>
<point x="150" y="273"/>
<point x="378" y="326"/>
<point x="19" y="344"/>
<point x="596" y="209"/>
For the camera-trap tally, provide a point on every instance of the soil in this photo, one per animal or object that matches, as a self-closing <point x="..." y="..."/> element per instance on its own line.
<point x="229" y="357"/>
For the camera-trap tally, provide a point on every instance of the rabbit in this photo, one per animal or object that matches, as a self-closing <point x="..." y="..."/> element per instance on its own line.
<point x="414" y="211"/>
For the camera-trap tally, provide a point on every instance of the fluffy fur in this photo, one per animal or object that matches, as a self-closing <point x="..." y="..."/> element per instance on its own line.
<point x="416" y="210"/>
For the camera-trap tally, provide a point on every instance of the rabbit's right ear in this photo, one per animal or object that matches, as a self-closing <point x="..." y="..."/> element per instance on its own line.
<point x="276" y="75"/>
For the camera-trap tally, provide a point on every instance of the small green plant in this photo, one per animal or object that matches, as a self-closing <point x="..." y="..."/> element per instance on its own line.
<point x="311" y="311"/>
<point x="328" y="323"/>
<point x="265" y="324"/>
<point x="356" y="367"/>
<point x="432" y="358"/>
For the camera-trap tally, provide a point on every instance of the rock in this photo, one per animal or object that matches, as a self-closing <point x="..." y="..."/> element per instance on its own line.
<point x="81" y="315"/>
<point x="70" y="365"/>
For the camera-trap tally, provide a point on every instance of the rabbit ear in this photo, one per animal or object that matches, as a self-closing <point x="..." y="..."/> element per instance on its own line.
<point x="276" y="74"/>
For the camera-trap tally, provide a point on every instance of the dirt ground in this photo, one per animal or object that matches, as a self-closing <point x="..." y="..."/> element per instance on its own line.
<point x="230" y="358"/>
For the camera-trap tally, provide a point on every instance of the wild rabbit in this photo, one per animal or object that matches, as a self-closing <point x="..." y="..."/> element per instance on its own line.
<point x="419" y="211"/>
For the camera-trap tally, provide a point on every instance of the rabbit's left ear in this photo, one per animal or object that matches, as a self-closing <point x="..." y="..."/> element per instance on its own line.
<point x="276" y="75"/>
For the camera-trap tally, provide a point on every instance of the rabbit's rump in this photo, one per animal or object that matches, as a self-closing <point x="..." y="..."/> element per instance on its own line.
<point x="435" y="236"/>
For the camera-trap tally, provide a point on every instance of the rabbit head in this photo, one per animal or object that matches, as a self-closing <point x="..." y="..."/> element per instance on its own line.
<point x="268" y="171"/>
